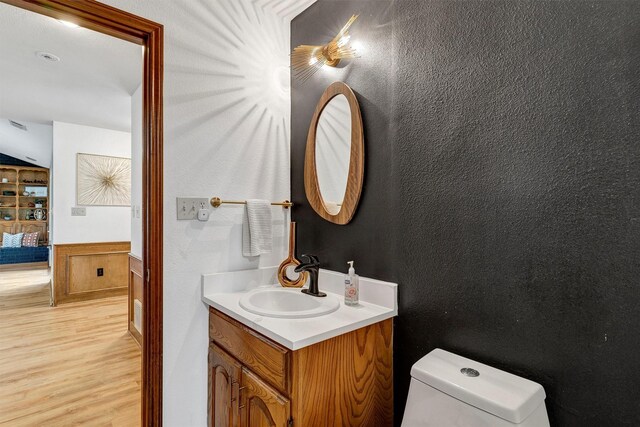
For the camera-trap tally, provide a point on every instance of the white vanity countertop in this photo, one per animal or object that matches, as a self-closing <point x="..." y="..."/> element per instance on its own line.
<point x="378" y="301"/>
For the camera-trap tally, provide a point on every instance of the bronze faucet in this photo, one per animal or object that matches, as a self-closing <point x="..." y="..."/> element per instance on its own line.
<point x="312" y="265"/>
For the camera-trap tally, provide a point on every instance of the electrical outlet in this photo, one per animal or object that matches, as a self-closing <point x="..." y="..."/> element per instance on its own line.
<point x="188" y="207"/>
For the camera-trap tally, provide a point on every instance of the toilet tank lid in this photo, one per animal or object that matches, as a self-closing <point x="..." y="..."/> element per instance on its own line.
<point x="502" y="394"/>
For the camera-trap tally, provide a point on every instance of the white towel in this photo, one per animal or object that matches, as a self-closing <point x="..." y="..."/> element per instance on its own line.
<point x="257" y="236"/>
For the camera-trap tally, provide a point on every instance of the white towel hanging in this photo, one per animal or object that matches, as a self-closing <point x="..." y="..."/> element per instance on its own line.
<point x="257" y="237"/>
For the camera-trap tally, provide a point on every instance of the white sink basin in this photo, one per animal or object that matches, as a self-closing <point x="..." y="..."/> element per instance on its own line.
<point x="287" y="303"/>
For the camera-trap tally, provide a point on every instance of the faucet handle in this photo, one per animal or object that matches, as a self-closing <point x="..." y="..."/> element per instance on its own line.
<point x="311" y="259"/>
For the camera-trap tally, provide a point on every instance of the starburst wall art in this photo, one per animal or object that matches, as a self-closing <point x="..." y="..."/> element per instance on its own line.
<point x="103" y="180"/>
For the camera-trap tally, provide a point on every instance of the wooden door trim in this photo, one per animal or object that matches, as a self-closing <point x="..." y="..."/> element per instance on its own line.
<point x="117" y="23"/>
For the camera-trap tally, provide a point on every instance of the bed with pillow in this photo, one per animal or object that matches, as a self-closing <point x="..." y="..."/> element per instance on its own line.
<point x="22" y="248"/>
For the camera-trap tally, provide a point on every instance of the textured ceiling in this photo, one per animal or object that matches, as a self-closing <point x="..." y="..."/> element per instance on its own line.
<point x="91" y="85"/>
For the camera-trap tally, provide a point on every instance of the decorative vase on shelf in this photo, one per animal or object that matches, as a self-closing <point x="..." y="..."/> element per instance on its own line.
<point x="39" y="215"/>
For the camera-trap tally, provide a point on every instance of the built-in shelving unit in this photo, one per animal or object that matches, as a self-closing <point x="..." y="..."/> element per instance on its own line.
<point x="21" y="212"/>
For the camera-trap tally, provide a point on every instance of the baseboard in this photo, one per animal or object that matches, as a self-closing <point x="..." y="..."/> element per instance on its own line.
<point x="137" y="339"/>
<point x="24" y="266"/>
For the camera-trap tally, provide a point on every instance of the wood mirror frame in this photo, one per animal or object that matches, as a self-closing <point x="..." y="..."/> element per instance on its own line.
<point x="355" y="176"/>
<point x="114" y="22"/>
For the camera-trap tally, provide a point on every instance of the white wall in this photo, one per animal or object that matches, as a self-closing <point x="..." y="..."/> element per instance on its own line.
<point x="102" y="223"/>
<point x="35" y="142"/>
<point x="226" y="134"/>
<point x="136" y="172"/>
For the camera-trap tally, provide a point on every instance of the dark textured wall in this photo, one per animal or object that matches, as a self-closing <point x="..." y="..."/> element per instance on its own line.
<point x="502" y="187"/>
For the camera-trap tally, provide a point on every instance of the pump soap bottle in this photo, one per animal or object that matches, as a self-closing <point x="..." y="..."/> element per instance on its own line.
<point x="351" y="286"/>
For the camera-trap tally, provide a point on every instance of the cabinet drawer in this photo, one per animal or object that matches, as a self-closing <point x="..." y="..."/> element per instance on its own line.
<point x="264" y="357"/>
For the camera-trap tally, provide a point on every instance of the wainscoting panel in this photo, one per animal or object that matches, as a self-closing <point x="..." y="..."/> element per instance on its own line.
<point x="136" y="284"/>
<point x="85" y="271"/>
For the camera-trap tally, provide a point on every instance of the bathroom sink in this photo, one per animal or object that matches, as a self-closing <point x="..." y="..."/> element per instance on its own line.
<point x="287" y="303"/>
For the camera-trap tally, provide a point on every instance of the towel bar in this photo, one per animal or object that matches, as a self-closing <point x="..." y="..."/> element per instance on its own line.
<point x="216" y="202"/>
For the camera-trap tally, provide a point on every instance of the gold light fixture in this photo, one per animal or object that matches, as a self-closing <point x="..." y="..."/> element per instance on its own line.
<point x="306" y="60"/>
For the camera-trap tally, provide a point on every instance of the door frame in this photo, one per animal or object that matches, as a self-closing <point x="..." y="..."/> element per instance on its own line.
<point x="117" y="23"/>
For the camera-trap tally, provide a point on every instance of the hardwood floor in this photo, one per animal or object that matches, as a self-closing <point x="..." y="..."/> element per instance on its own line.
<point x="24" y="288"/>
<point x="74" y="364"/>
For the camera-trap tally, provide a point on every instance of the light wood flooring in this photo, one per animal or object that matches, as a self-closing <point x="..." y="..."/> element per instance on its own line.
<point x="71" y="365"/>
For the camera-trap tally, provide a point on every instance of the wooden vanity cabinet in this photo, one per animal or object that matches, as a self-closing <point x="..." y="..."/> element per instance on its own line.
<point x="224" y="378"/>
<point x="256" y="382"/>
<point x="240" y="398"/>
<point x="262" y="406"/>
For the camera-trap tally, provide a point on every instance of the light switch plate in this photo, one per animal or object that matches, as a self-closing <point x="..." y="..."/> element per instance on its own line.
<point x="188" y="207"/>
<point x="78" y="211"/>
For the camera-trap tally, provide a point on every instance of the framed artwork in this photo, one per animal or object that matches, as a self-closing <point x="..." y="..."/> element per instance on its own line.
<point x="39" y="191"/>
<point x="103" y="180"/>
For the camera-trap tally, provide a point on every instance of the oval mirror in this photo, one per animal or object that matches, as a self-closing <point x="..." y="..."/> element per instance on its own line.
<point x="334" y="158"/>
<point x="333" y="152"/>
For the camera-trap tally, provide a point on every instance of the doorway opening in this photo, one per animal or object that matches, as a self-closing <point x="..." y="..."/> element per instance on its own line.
<point x="113" y="22"/>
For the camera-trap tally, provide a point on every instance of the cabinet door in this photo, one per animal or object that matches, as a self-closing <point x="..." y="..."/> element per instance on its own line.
<point x="224" y="378"/>
<point x="262" y="405"/>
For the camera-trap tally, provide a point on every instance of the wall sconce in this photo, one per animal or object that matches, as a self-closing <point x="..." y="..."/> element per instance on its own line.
<point x="306" y="60"/>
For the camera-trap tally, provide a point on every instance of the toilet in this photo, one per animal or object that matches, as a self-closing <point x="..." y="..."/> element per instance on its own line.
<point x="450" y="390"/>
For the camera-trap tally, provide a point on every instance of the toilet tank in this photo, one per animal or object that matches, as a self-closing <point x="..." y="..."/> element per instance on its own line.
<point x="447" y="389"/>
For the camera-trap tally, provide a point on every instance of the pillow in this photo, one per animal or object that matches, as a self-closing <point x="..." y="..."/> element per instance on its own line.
<point x="11" y="240"/>
<point x="30" y="239"/>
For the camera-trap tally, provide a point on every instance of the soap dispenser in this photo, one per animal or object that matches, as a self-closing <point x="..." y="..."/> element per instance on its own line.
<point x="351" y="286"/>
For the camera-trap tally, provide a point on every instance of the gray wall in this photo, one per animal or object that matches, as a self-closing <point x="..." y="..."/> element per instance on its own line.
<point x="502" y="187"/>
